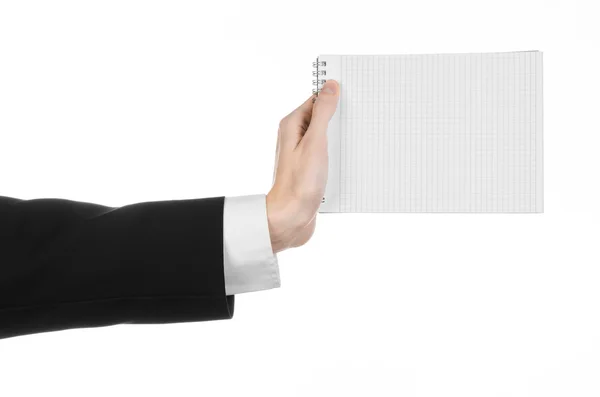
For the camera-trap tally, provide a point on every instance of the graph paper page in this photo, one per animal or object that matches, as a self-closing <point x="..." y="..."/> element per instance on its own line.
<point x="436" y="133"/>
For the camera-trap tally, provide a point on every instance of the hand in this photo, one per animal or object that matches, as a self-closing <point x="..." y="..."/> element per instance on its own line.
<point x="300" y="170"/>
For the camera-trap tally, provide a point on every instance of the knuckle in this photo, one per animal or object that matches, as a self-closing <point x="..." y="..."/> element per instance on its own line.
<point x="284" y="122"/>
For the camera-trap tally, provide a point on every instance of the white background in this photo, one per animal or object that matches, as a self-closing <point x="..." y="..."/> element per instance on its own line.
<point x="116" y="102"/>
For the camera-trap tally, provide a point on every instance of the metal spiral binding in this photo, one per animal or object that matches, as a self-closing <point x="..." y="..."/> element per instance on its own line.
<point x="318" y="71"/>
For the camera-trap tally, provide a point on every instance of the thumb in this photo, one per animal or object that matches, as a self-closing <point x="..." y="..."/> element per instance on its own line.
<point x="324" y="108"/>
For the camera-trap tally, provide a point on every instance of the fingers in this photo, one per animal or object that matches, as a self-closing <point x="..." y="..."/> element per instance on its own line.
<point x="305" y="110"/>
<point x="301" y="115"/>
<point x="307" y="124"/>
<point x="293" y="126"/>
<point x="323" y="110"/>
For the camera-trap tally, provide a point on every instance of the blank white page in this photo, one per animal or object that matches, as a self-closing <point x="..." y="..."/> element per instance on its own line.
<point x="436" y="133"/>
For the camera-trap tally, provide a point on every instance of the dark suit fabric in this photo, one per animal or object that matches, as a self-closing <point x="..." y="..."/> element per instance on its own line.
<point x="67" y="264"/>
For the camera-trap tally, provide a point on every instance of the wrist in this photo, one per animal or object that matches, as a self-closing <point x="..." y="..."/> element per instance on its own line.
<point x="284" y="219"/>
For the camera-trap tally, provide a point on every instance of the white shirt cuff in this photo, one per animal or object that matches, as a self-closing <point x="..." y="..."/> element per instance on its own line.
<point x="248" y="259"/>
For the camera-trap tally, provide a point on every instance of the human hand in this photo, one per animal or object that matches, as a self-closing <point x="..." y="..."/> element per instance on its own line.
<point x="300" y="170"/>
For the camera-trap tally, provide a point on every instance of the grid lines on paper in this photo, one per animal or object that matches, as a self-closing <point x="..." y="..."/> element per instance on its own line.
<point x="440" y="133"/>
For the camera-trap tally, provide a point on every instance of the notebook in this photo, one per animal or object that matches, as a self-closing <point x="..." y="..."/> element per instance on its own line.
<point x="435" y="133"/>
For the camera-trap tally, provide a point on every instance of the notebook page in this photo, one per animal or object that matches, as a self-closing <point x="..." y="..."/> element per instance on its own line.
<point x="436" y="133"/>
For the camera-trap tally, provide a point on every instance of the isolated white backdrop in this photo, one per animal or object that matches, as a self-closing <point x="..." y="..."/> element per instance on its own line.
<point x="117" y="102"/>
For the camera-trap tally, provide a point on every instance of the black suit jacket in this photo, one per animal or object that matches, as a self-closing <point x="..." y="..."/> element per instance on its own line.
<point x="67" y="264"/>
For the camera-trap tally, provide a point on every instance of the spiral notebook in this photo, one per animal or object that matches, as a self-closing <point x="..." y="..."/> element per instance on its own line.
<point x="435" y="133"/>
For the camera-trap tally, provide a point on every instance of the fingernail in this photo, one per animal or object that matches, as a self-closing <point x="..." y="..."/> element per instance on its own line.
<point x="329" y="87"/>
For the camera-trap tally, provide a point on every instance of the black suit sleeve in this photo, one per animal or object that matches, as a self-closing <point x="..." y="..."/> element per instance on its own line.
<point x="67" y="264"/>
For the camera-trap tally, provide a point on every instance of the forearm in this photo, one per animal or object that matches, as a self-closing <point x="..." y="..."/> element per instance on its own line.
<point x="67" y="264"/>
